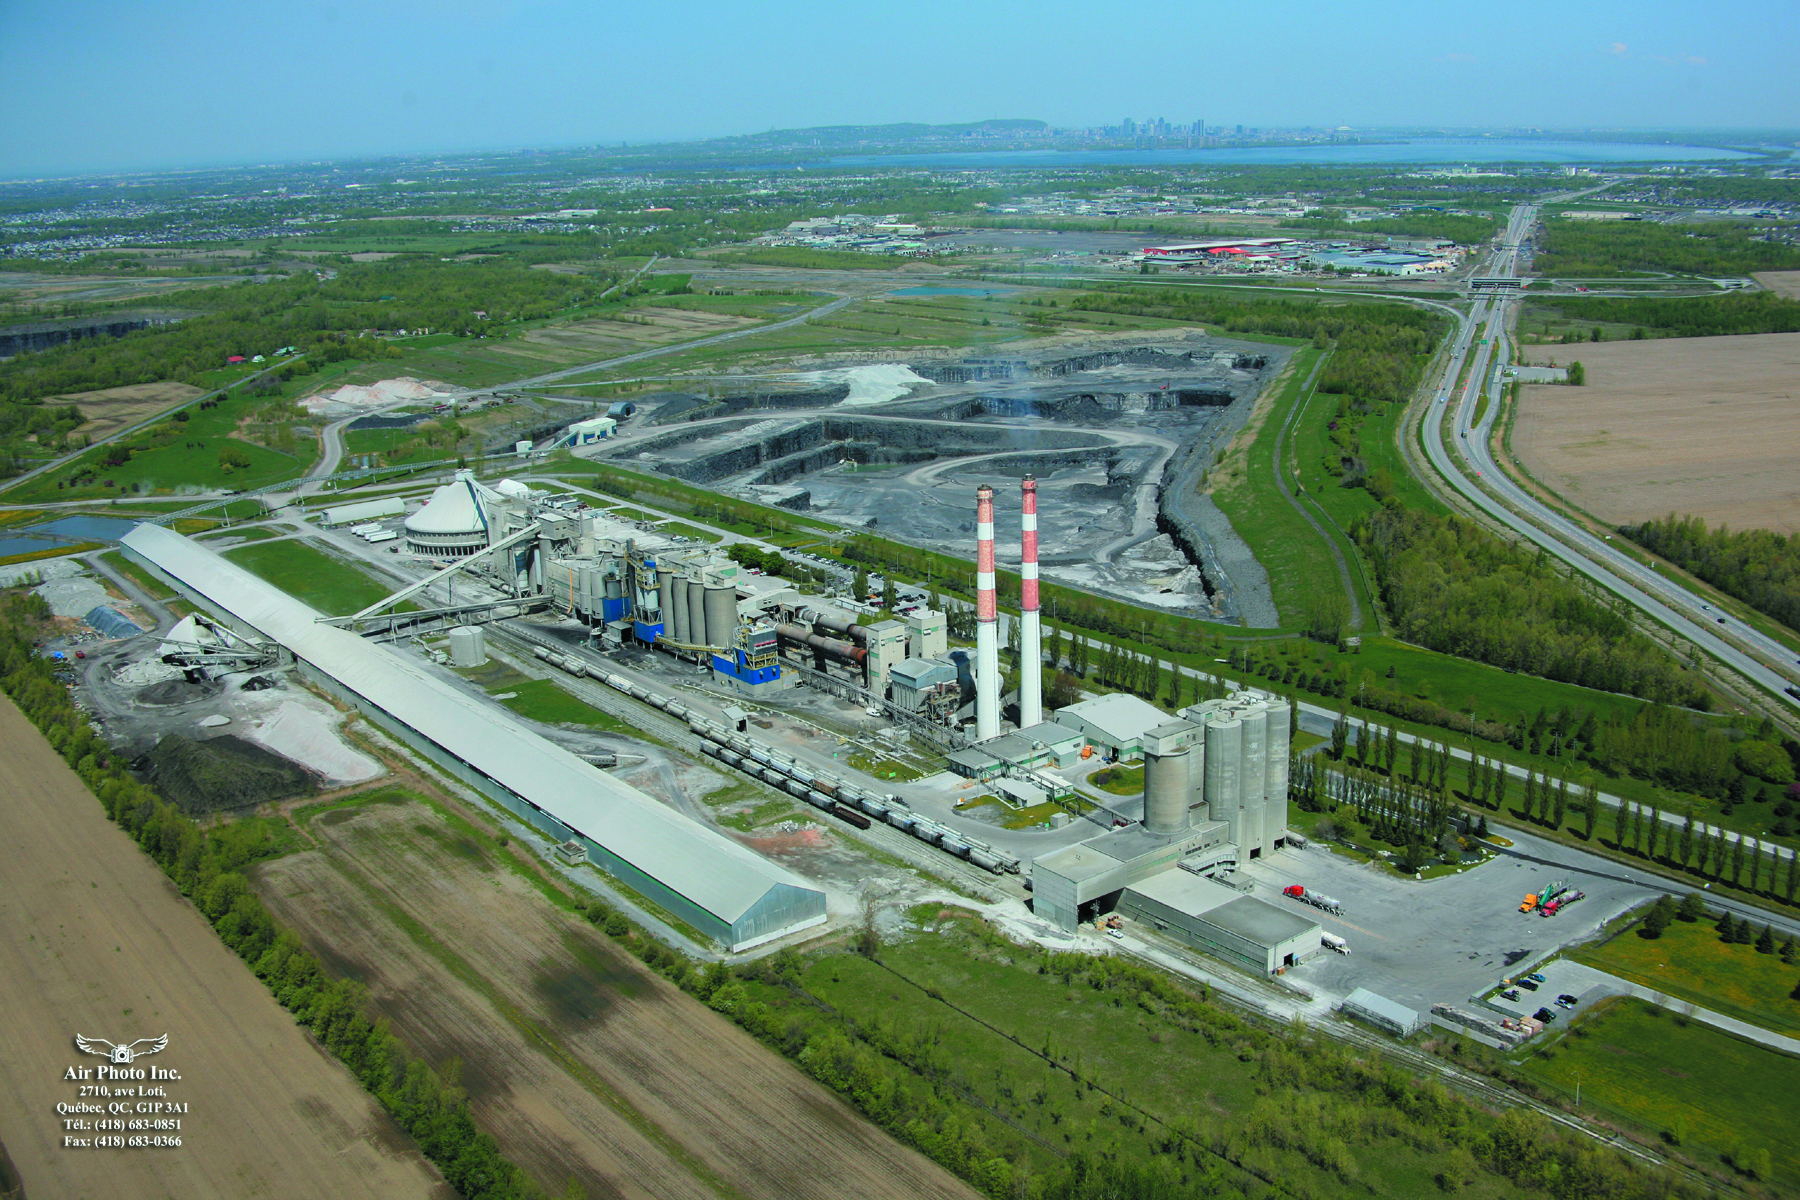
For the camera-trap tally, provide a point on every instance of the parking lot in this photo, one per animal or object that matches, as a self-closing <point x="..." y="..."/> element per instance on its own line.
<point x="1443" y="940"/>
<point x="1561" y="978"/>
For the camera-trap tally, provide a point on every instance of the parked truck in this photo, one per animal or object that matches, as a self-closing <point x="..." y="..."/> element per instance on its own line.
<point x="1332" y="941"/>
<point x="1531" y="902"/>
<point x="1306" y="895"/>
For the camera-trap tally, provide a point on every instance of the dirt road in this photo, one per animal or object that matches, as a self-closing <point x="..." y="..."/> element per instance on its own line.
<point x="95" y="940"/>
<point x="583" y="1063"/>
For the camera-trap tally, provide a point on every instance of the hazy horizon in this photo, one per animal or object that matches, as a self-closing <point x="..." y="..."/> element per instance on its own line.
<point x="212" y="85"/>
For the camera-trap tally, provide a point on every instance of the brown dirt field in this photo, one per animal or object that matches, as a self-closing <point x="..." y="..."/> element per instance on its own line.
<point x="580" y="1061"/>
<point x="582" y="340"/>
<point x="1707" y="426"/>
<point x="94" y="939"/>
<point x="1782" y="283"/>
<point x="115" y="408"/>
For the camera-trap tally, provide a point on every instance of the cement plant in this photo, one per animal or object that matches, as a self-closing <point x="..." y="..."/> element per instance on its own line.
<point x="911" y="661"/>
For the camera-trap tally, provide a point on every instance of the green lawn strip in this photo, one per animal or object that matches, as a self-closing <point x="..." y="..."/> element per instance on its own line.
<point x="1120" y="781"/>
<point x="1714" y="1092"/>
<point x="1690" y="961"/>
<point x="331" y="585"/>
<point x="154" y="588"/>
<point x="545" y="700"/>
<point x="1299" y="563"/>
<point x="247" y="533"/>
<point x="537" y="1032"/>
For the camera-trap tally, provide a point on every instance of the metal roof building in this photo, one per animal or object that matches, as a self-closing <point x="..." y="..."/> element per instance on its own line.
<point x="1117" y="721"/>
<point x="703" y="877"/>
<point x="1382" y="1013"/>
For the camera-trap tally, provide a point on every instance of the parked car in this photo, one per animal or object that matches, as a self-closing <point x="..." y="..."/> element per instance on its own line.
<point x="1536" y="977"/>
<point x="1544" y="1015"/>
<point x="1565" y="998"/>
<point x="1528" y="985"/>
<point x="1510" y="994"/>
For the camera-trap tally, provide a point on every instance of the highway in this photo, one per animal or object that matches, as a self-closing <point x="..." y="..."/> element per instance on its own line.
<point x="1483" y="341"/>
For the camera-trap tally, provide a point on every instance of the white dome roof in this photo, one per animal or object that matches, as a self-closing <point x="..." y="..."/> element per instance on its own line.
<point x="454" y="508"/>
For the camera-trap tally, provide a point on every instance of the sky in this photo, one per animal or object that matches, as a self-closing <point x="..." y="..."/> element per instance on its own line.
<point x="100" y="86"/>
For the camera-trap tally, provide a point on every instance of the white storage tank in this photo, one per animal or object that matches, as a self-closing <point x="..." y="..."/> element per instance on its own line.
<point x="468" y="646"/>
<point x="1166" y="791"/>
<point x="1224" y="756"/>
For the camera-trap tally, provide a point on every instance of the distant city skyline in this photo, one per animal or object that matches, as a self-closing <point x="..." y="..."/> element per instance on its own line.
<point x="110" y="86"/>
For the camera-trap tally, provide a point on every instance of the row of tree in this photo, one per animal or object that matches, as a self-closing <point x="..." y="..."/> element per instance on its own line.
<point x="208" y="866"/>
<point x="1697" y="316"/>
<point x="1758" y="566"/>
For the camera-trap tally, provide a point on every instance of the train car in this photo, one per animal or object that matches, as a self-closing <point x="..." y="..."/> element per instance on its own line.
<point x="851" y="816"/>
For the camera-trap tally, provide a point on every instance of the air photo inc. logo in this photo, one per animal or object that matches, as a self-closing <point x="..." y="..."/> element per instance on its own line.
<point x="121" y="1052"/>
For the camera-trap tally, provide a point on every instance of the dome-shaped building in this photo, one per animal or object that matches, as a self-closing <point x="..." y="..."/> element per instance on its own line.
<point x="455" y="521"/>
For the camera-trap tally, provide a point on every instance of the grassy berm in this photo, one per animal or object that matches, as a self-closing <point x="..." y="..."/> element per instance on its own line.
<point x="223" y="773"/>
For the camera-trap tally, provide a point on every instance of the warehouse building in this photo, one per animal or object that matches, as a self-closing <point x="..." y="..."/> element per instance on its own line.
<point x="1384" y="1014"/>
<point x="1209" y="916"/>
<point x="696" y="873"/>
<point x="1114" y="723"/>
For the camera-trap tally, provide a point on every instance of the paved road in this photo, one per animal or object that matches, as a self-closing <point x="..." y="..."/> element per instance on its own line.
<point x="1483" y="341"/>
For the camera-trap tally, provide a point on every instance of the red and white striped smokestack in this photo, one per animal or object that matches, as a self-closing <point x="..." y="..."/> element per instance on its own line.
<point x="987" y="615"/>
<point x="1031" y="637"/>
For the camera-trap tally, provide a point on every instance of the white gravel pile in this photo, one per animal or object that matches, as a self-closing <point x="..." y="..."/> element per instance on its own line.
<point x="145" y="672"/>
<point x="76" y="596"/>
<point x="43" y="569"/>
<point x="310" y="737"/>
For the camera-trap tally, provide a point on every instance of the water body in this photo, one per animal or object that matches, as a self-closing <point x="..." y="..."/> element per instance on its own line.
<point x="84" y="529"/>
<point x="1415" y="152"/>
<point x="951" y="291"/>
<point x="25" y="545"/>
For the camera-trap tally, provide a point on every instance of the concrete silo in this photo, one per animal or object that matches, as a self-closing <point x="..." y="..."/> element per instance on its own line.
<point x="1167" y="789"/>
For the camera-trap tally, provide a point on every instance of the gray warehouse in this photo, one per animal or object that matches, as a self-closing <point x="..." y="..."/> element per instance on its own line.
<point x="701" y="876"/>
<point x="1239" y="929"/>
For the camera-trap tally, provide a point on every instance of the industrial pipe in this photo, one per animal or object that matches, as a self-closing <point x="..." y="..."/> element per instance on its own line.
<point x="830" y="647"/>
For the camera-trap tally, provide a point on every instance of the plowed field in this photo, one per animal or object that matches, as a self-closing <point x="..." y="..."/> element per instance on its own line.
<point x="582" y="1062"/>
<point x="95" y="940"/>
<point x="1701" y="426"/>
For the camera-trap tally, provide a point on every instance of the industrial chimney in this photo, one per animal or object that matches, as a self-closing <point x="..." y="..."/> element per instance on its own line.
<point x="987" y="642"/>
<point x="1031" y="650"/>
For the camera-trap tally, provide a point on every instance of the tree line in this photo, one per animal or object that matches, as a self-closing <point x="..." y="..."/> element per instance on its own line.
<point x="1695" y="316"/>
<point x="1623" y="247"/>
<point x="1758" y="566"/>
<point x="208" y="866"/>
<point x="1453" y="587"/>
<point x="1464" y="230"/>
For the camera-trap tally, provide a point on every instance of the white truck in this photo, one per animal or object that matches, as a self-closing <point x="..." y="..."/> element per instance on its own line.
<point x="385" y="535"/>
<point x="1332" y="941"/>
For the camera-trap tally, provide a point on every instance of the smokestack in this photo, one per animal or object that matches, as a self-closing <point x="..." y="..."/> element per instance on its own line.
<point x="987" y="642"/>
<point x="1031" y="650"/>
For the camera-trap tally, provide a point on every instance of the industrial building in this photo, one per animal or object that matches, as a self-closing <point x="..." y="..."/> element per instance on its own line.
<point x="1115" y="724"/>
<point x="1223" y="922"/>
<point x="694" y="872"/>
<point x="594" y="429"/>
<point x="1384" y="1014"/>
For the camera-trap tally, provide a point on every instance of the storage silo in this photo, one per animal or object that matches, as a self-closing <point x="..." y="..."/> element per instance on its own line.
<point x="1275" y="794"/>
<point x="721" y="612"/>
<point x="696" y="611"/>
<point x="1224" y="758"/>
<point x="1166" y="788"/>
<point x="468" y="646"/>
<point x="674" y="615"/>
<point x="1253" y="776"/>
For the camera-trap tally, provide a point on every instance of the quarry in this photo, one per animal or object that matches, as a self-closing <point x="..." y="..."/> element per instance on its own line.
<point x="1116" y="433"/>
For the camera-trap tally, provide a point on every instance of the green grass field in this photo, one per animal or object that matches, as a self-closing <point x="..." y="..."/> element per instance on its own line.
<point x="985" y="1014"/>
<point x="117" y="561"/>
<point x="1302" y="571"/>
<point x="1714" y="1092"/>
<point x="331" y="585"/>
<point x="1691" y="962"/>
<point x="542" y="700"/>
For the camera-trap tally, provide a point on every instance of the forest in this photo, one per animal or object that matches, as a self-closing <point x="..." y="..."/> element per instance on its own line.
<point x="1454" y="588"/>
<point x="1699" y="316"/>
<point x="1582" y="248"/>
<point x="1758" y="566"/>
<point x="1463" y="230"/>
